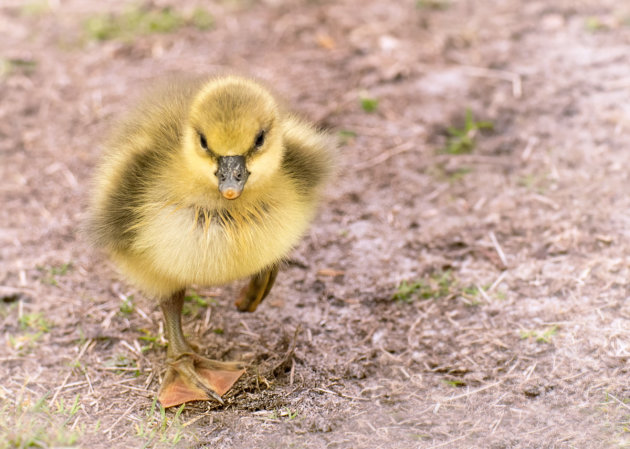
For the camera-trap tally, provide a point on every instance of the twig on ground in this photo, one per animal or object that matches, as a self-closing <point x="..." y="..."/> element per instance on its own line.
<point x="149" y="379"/>
<point x="498" y="249"/>
<point x="131" y="348"/>
<point x="497" y="281"/>
<point x="110" y="428"/>
<point x="513" y="77"/>
<point x="146" y="392"/>
<point x="619" y="401"/>
<point x="496" y="425"/>
<point x="291" y="376"/>
<point x="529" y="372"/>
<point x="74" y="362"/>
<point x="470" y="393"/>
<point x="58" y="389"/>
<point x="290" y="351"/>
<point x="345" y="396"/>
<point x="449" y="442"/>
<point x="475" y="159"/>
<point x="483" y="293"/>
<point x="87" y="378"/>
<point x="544" y="200"/>
<point x="9" y="290"/>
<point x="398" y="149"/>
<point x="527" y="152"/>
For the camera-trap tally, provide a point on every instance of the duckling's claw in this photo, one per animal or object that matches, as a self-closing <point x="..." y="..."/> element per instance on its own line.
<point x="259" y="287"/>
<point x="194" y="378"/>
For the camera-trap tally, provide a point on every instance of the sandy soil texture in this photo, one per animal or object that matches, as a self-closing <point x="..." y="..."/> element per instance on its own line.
<point x="464" y="285"/>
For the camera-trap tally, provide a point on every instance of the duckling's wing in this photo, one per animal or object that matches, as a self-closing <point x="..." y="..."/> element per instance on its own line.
<point x="308" y="159"/>
<point x="138" y="151"/>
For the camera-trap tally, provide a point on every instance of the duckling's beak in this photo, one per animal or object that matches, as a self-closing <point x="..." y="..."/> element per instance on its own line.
<point x="232" y="174"/>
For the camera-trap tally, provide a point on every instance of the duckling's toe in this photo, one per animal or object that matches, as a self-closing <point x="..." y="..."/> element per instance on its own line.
<point x="194" y="378"/>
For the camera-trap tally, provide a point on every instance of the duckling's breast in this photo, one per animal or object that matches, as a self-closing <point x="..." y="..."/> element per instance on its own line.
<point x="197" y="245"/>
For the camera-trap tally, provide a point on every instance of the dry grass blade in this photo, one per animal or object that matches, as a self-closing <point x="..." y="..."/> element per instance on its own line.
<point x="120" y="418"/>
<point x="512" y="77"/>
<point x="386" y="155"/>
<point x="498" y="249"/>
<point x="345" y="396"/>
<point x="65" y="380"/>
<point x="448" y="443"/>
<point x="470" y="393"/>
<point x="620" y="402"/>
<point x="288" y="355"/>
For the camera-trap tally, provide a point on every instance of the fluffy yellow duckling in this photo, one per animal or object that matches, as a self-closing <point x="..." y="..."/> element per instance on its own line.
<point x="207" y="181"/>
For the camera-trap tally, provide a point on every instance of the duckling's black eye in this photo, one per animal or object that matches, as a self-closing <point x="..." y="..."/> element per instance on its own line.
<point x="203" y="141"/>
<point x="260" y="139"/>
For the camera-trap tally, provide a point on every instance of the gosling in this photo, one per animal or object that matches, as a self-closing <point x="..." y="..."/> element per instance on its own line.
<point x="205" y="182"/>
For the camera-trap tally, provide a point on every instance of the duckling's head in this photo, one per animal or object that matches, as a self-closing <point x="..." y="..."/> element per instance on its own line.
<point x="232" y="138"/>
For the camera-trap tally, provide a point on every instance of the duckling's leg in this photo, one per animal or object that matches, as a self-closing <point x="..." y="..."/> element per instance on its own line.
<point x="259" y="286"/>
<point x="189" y="376"/>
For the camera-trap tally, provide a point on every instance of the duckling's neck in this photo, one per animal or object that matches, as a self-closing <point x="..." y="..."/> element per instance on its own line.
<point x="251" y="213"/>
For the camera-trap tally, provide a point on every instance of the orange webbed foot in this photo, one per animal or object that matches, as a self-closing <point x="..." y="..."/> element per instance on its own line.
<point x="194" y="378"/>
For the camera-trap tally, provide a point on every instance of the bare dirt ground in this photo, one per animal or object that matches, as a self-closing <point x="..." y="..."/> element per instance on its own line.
<point x="475" y="298"/>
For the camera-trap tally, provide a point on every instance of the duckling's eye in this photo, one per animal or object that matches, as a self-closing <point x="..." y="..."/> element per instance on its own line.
<point x="260" y="139"/>
<point x="203" y="141"/>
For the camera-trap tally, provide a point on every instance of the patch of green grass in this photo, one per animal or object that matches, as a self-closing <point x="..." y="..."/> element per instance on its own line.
<point x="419" y="436"/>
<point x="452" y="175"/>
<point x="193" y="303"/>
<point x="442" y="284"/>
<point x="127" y="305"/>
<point x="540" y="335"/>
<point x="594" y="24"/>
<point x="288" y="413"/>
<point x="346" y="136"/>
<point x="285" y="413"/>
<point x="472" y="295"/>
<point x="32" y="326"/>
<point x="68" y="409"/>
<point x="61" y="270"/>
<point x="196" y="299"/>
<point x="35" y="8"/>
<point x="144" y="20"/>
<point x="34" y="321"/>
<point x="52" y="272"/>
<point x="454" y="382"/>
<point x="614" y="408"/>
<point x="9" y="66"/>
<point x="123" y="364"/>
<point x="405" y="291"/>
<point x="158" y="427"/>
<point x="149" y="341"/>
<point x="438" y="285"/>
<point x="459" y="173"/>
<point x="463" y="140"/>
<point x="433" y="4"/>
<point x="201" y="19"/>
<point x="24" y="342"/>
<point x="368" y="103"/>
<point x="534" y="182"/>
<point x="471" y="290"/>
<point x="528" y="181"/>
<point x="28" y="423"/>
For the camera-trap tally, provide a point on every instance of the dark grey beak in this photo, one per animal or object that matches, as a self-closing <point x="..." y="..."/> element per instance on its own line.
<point x="232" y="175"/>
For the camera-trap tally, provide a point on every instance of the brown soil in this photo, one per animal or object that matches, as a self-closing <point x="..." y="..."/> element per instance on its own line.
<point x="518" y="336"/>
